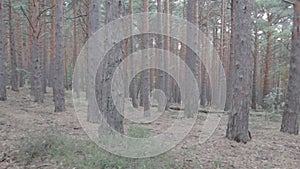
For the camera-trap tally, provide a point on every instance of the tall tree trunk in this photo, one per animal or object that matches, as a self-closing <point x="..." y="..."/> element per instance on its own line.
<point x="45" y="52"/>
<point x="114" y="10"/>
<point x="191" y="61"/>
<point x="290" y="120"/>
<point x="75" y="48"/>
<point x="160" y="45"/>
<point x="36" y="58"/>
<point x="255" y="56"/>
<point x="93" y="26"/>
<point x="204" y="77"/>
<point x="52" y="45"/>
<point x="13" y="60"/>
<point x="145" y="78"/>
<point x="58" y="88"/>
<point x="3" y="96"/>
<point x="167" y="45"/>
<point x="133" y="84"/>
<point x="223" y="36"/>
<point x="237" y="128"/>
<point x="223" y="48"/>
<point x="267" y="80"/>
<point x="28" y="48"/>
<point x="229" y="91"/>
<point x="20" y="50"/>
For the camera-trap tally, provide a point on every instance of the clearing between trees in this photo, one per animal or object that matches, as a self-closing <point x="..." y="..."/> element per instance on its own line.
<point x="33" y="136"/>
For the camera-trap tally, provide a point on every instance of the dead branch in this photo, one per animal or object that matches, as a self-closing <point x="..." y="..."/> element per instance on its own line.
<point x="289" y="2"/>
<point x="31" y="25"/>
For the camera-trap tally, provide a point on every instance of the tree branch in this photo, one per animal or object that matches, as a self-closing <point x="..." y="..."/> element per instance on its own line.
<point x="79" y="16"/>
<point x="31" y="25"/>
<point x="286" y="1"/>
<point x="41" y="13"/>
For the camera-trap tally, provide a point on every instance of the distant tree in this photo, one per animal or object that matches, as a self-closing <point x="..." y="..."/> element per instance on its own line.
<point x="133" y="84"/>
<point x="75" y="45"/>
<point x="3" y="96"/>
<point x="229" y="90"/>
<point x="237" y="128"/>
<point x="58" y="80"/>
<point x="13" y="59"/>
<point x="20" y="50"/>
<point x="267" y="79"/>
<point x="255" y="57"/>
<point x="160" y="45"/>
<point x="204" y="75"/>
<point x="52" y="44"/>
<point x="44" y="51"/>
<point x="145" y="78"/>
<point x="290" y="120"/>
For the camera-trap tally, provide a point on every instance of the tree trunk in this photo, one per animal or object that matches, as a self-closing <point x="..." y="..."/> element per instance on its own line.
<point x="52" y="45"/>
<point x="112" y="115"/>
<point x="36" y="60"/>
<point x="75" y="48"/>
<point x="223" y="36"/>
<point x="237" y="128"/>
<point x="133" y="84"/>
<point x="44" y="54"/>
<point x="167" y="45"/>
<point x="145" y="78"/>
<point x="267" y="80"/>
<point x="28" y="49"/>
<point x="255" y="56"/>
<point x="160" y="45"/>
<point x="94" y="25"/>
<point x="204" y="75"/>
<point x="191" y="61"/>
<point x="58" y="88"/>
<point x="290" y="123"/>
<point x="229" y="91"/>
<point x="3" y="96"/>
<point x="13" y="53"/>
<point x="20" y="50"/>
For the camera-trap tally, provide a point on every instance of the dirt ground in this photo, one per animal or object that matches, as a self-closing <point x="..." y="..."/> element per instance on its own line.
<point x="269" y="148"/>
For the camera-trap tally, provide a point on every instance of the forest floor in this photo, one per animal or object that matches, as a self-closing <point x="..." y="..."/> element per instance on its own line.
<point x="33" y="136"/>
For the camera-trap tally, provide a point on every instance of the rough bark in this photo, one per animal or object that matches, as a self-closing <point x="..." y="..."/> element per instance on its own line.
<point x="3" y="96"/>
<point x="237" y="128"/>
<point x="93" y="26"/>
<point x="133" y="84"/>
<point x="20" y="51"/>
<point x="52" y="45"/>
<point x="290" y="120"/>
<point x="75" y="48"/>
<point x="229" y="91"/>
<point x="36" y="60"/>
<point x="204" y="74"/>
<point x="145" y="78"/>
<point x="167" y="46"/>
<point x="13" y="53"/>
<point x="44" y="53"/>
<point x="58" y="88"/>
<point x="114" y="10"/>
<point x="28" y="47"/>
<point x="191" y="61"/>
<point x="267" y="80"/>
<point x="255" y="57"/>
<point x="160" y="45"/>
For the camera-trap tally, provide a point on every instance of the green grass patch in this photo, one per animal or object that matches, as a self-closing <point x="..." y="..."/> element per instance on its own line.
<point x="72" y="153"/>
<point x="138" y="132"/>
